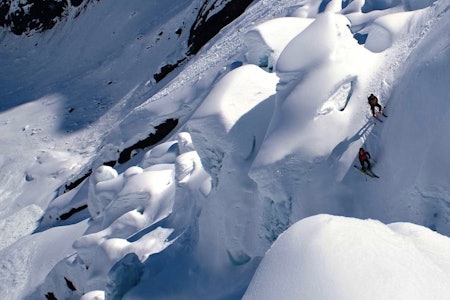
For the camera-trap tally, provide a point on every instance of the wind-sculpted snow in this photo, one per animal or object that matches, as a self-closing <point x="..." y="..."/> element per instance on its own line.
<point x="386" y="30"/>
<point x="269" y="117"/>
<point x="223" y="124"/>
<point x="265" y="42"/>
<point x="308" y="77"/>
<point x="284" y="166"/>
<point x="131" y="215"/>
<point x="326" y="257"/>
<point x="339" y="98"/>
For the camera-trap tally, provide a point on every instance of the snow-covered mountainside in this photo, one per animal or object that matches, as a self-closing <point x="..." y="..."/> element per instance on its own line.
<point x="206" y="149"/>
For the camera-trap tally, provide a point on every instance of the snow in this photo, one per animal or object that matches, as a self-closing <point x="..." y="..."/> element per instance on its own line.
<point x="254" y="194"/>
<point x="400" y="261"/>
<point x="266" y="41"/>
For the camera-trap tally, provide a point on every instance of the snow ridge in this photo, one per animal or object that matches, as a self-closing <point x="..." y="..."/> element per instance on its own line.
<point x="253" y="193"/>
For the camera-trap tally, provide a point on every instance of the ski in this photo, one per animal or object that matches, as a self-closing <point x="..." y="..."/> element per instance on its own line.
<point x="372" y="174"/>
<point x="367" y="172"/>
<point x="377" y="118"/>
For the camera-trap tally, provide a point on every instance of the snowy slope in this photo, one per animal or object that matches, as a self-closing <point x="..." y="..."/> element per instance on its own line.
<point x="317" y="258"/>
<point x="250" y="138"/>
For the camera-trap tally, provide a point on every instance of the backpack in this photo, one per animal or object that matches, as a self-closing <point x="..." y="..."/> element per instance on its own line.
<point x="372" y="100"/>
<point x="363" y="155"/>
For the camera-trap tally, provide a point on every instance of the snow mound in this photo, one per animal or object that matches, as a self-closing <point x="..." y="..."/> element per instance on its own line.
<point x="131" y="219"/>
<point x="266" y="41"/>
<point x="267" y="120"/>
<point x="232" y="117"/>
<point x="386" y="30"/>
<point x="328" y="257"/>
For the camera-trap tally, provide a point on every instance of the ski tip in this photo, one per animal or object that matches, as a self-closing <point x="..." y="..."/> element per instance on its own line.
<point x="374" y="175"/>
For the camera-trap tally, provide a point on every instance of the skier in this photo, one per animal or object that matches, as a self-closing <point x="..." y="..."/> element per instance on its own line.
<point x="364" y="158"/>
<point x="373" y="102"/>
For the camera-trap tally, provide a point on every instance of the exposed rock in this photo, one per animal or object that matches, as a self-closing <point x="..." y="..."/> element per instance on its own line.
<point x="23" y="17"/>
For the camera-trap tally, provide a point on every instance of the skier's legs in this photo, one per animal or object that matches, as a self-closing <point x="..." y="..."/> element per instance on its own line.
<point x="363" y="165"/>
<point x="379" y="107"/>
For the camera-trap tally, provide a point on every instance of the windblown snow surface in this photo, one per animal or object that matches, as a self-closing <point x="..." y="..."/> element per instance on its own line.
<point x="254" y="193"/>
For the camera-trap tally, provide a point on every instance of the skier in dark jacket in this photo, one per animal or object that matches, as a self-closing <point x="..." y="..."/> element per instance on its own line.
<point x="364" y="157"/>
<point x="373" y="102"/>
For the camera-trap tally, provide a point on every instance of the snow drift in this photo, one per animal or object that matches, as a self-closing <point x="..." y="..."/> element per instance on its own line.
<point x="327" y="257"/>
<point x="266" y="122"/>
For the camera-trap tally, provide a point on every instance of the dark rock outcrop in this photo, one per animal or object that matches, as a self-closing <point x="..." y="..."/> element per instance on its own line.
<point x="33" y="15"/>
<point x="161" y="131"/>
<point x="206" y="26"/>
